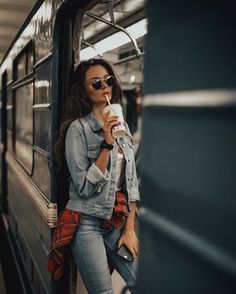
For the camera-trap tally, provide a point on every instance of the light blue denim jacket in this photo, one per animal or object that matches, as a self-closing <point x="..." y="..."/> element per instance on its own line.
<point x="91" y="192"/>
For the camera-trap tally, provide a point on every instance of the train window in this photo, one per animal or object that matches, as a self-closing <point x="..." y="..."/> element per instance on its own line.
<point x="23" y="64"/>
<point x="23" y="94"/>
<point x="43" y="83"/>
<point x="42" y="126"/>
<point x="42" y="129"/>
<point x="21" y="67"/>
<point x="30" y="60"/>
<point x="24" y="124"/>
<point x="41" y="106"/>
<point x="116" y="31"/>
<point x="9" y="118"/>
<point x="9" y="75"/>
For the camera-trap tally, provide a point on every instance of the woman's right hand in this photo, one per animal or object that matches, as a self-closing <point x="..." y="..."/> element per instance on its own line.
<point x="108" y="123"/>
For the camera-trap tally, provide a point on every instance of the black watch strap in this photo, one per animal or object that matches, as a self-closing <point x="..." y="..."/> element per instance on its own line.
<point x="106" y="145"/>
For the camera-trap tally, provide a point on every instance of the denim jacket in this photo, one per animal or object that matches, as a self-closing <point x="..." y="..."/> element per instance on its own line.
<point x="92" y="192"/>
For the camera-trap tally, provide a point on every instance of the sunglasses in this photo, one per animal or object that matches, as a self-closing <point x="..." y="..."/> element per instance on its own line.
<point x="97" y="83"/>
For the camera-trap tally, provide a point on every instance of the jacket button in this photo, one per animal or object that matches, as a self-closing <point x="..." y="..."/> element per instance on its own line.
<point x="123" y="145"/>
<point x="128" y="179"/>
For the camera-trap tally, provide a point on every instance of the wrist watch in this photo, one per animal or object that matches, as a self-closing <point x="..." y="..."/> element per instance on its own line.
<point x="106" y="145"/>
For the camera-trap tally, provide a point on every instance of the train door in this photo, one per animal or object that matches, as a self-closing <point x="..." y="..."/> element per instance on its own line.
<point x="114" y="30"/>
<point x="188" y="179"/>
<point x="3" y="143"/>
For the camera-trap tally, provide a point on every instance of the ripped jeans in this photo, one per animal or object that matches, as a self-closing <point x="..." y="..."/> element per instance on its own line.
<point x="92" y="247"/>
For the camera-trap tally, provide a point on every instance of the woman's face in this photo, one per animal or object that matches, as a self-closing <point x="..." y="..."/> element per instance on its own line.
<point x="98" y="97"/>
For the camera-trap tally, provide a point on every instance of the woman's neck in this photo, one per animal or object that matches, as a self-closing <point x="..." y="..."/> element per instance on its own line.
<point x="98" y="112"/>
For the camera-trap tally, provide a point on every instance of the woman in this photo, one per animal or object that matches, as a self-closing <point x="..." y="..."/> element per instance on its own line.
<point x="103" y="183"/>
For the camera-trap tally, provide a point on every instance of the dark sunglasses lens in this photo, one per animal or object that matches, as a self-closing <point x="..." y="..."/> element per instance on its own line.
<point x="97" y="84"/>
<point x="110" y="81"/>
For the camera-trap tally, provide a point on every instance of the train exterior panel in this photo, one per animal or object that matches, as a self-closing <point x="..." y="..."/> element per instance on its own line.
<point x="27" y="146"/>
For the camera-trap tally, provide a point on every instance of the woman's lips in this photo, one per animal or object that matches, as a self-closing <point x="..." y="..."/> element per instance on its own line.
<point x="107" y="94"/>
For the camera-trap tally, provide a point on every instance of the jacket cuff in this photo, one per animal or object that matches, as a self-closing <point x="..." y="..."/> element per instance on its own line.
<point x="94" y="175"/>
<point x="135" y="196"/>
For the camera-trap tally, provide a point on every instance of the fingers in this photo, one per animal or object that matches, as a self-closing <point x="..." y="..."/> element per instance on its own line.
<point x="120" y="242"/>
<point x="132" y="247"/>
<point x="129" y="247"/>
<point x="132" y="251"/>
<point x="110" y="121"/>
<point x="107" y="116"/>
<point x="136" y="247"/>
<point x="130" y="240"/>
<point x="113" y="118"/>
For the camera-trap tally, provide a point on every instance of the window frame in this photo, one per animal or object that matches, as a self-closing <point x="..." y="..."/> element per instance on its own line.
<point x="19" y="82"/>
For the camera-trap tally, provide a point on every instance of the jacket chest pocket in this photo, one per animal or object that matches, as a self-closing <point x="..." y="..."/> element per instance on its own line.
<point x="93" y="152"/>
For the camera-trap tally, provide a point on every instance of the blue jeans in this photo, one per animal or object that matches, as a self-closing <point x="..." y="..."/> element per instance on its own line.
<point x="92" y="247"/>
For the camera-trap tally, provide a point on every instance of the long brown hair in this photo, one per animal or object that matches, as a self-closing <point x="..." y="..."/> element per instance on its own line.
<point x="78" y="104"/>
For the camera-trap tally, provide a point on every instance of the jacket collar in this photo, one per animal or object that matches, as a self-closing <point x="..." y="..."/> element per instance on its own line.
<point x="93" y="122"/>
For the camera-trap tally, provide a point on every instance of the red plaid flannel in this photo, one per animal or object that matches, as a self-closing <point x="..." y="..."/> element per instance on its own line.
<point x="67" y="224"/>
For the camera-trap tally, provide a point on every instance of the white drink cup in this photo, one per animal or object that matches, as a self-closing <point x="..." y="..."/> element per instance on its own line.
<point x="119" y="130"/>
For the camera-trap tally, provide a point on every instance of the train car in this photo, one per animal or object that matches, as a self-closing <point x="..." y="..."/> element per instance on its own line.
<point x="35" y="77"/>
<point x="188" y="178"/>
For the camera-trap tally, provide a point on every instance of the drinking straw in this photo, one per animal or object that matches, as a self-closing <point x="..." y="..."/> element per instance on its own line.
<point x="108" y="101"/>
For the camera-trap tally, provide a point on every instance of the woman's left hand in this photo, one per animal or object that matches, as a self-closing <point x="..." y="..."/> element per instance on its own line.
<point x="130" y="240"/>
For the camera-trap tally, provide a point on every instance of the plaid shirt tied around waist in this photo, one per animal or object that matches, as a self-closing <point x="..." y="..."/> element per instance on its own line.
<point x="67" y="224"/>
